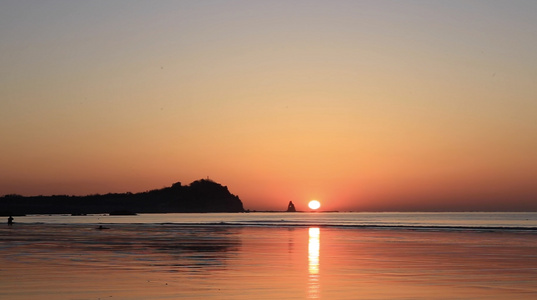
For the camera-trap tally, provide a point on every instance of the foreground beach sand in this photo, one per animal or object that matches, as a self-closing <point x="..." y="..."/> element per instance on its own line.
<point x="45" y="261"/>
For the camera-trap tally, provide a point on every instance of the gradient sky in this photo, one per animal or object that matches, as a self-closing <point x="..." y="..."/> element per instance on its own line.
<point x="363" y="105"/>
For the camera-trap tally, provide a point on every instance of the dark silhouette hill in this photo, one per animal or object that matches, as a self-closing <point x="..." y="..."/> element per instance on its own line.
<point x="200" y="196"/>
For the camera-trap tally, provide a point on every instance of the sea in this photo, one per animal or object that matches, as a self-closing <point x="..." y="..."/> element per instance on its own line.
<point x="423" y="220"/>
<point x="271" y="255"/>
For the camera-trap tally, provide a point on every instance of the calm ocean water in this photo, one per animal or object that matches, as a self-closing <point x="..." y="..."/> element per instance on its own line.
<point x="374" y="256"/>
<point x="472" y="220"/>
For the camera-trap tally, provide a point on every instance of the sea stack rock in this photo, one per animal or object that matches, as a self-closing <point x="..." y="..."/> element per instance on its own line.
<point x="291" y="207"/>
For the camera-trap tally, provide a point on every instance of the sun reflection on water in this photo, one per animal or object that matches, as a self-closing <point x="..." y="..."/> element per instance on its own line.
<point x="313" y="262"/>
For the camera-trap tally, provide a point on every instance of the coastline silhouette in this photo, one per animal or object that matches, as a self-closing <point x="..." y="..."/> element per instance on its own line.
<point x="200" y="196"/>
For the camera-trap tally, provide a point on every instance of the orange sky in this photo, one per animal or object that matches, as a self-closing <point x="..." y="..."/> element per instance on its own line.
<point x="363" y="105"/>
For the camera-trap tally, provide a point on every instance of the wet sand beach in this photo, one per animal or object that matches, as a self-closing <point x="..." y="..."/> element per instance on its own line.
<point x="149" y="261"/>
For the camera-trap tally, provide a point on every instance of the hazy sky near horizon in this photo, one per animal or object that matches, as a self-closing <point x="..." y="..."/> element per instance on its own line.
<point x="363" y="105"/>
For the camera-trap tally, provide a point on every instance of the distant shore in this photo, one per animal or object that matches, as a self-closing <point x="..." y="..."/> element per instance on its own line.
<point x="199" y="196"/>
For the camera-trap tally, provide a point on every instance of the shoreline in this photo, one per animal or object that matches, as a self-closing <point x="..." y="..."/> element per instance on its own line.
<point x="526" y="222"/>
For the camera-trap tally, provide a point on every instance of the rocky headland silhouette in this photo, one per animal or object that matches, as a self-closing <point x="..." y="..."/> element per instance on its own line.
<point x="200" y="196"/>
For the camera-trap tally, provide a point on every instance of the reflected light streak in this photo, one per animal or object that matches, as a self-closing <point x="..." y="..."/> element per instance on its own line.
<point x="313" y="262"/>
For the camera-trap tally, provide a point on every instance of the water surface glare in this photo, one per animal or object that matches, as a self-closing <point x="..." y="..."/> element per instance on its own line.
<point x="171" y="261"/>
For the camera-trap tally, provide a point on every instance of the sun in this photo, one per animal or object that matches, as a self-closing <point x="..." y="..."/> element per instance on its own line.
<point x="314" y="204"/>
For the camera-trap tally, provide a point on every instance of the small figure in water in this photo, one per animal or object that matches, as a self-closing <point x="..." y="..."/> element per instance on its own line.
<point x="10" y="221"/>
<point x="101" y="227"/>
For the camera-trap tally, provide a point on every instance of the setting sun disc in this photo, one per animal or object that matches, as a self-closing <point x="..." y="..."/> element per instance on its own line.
<point x="314" y="204"/>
